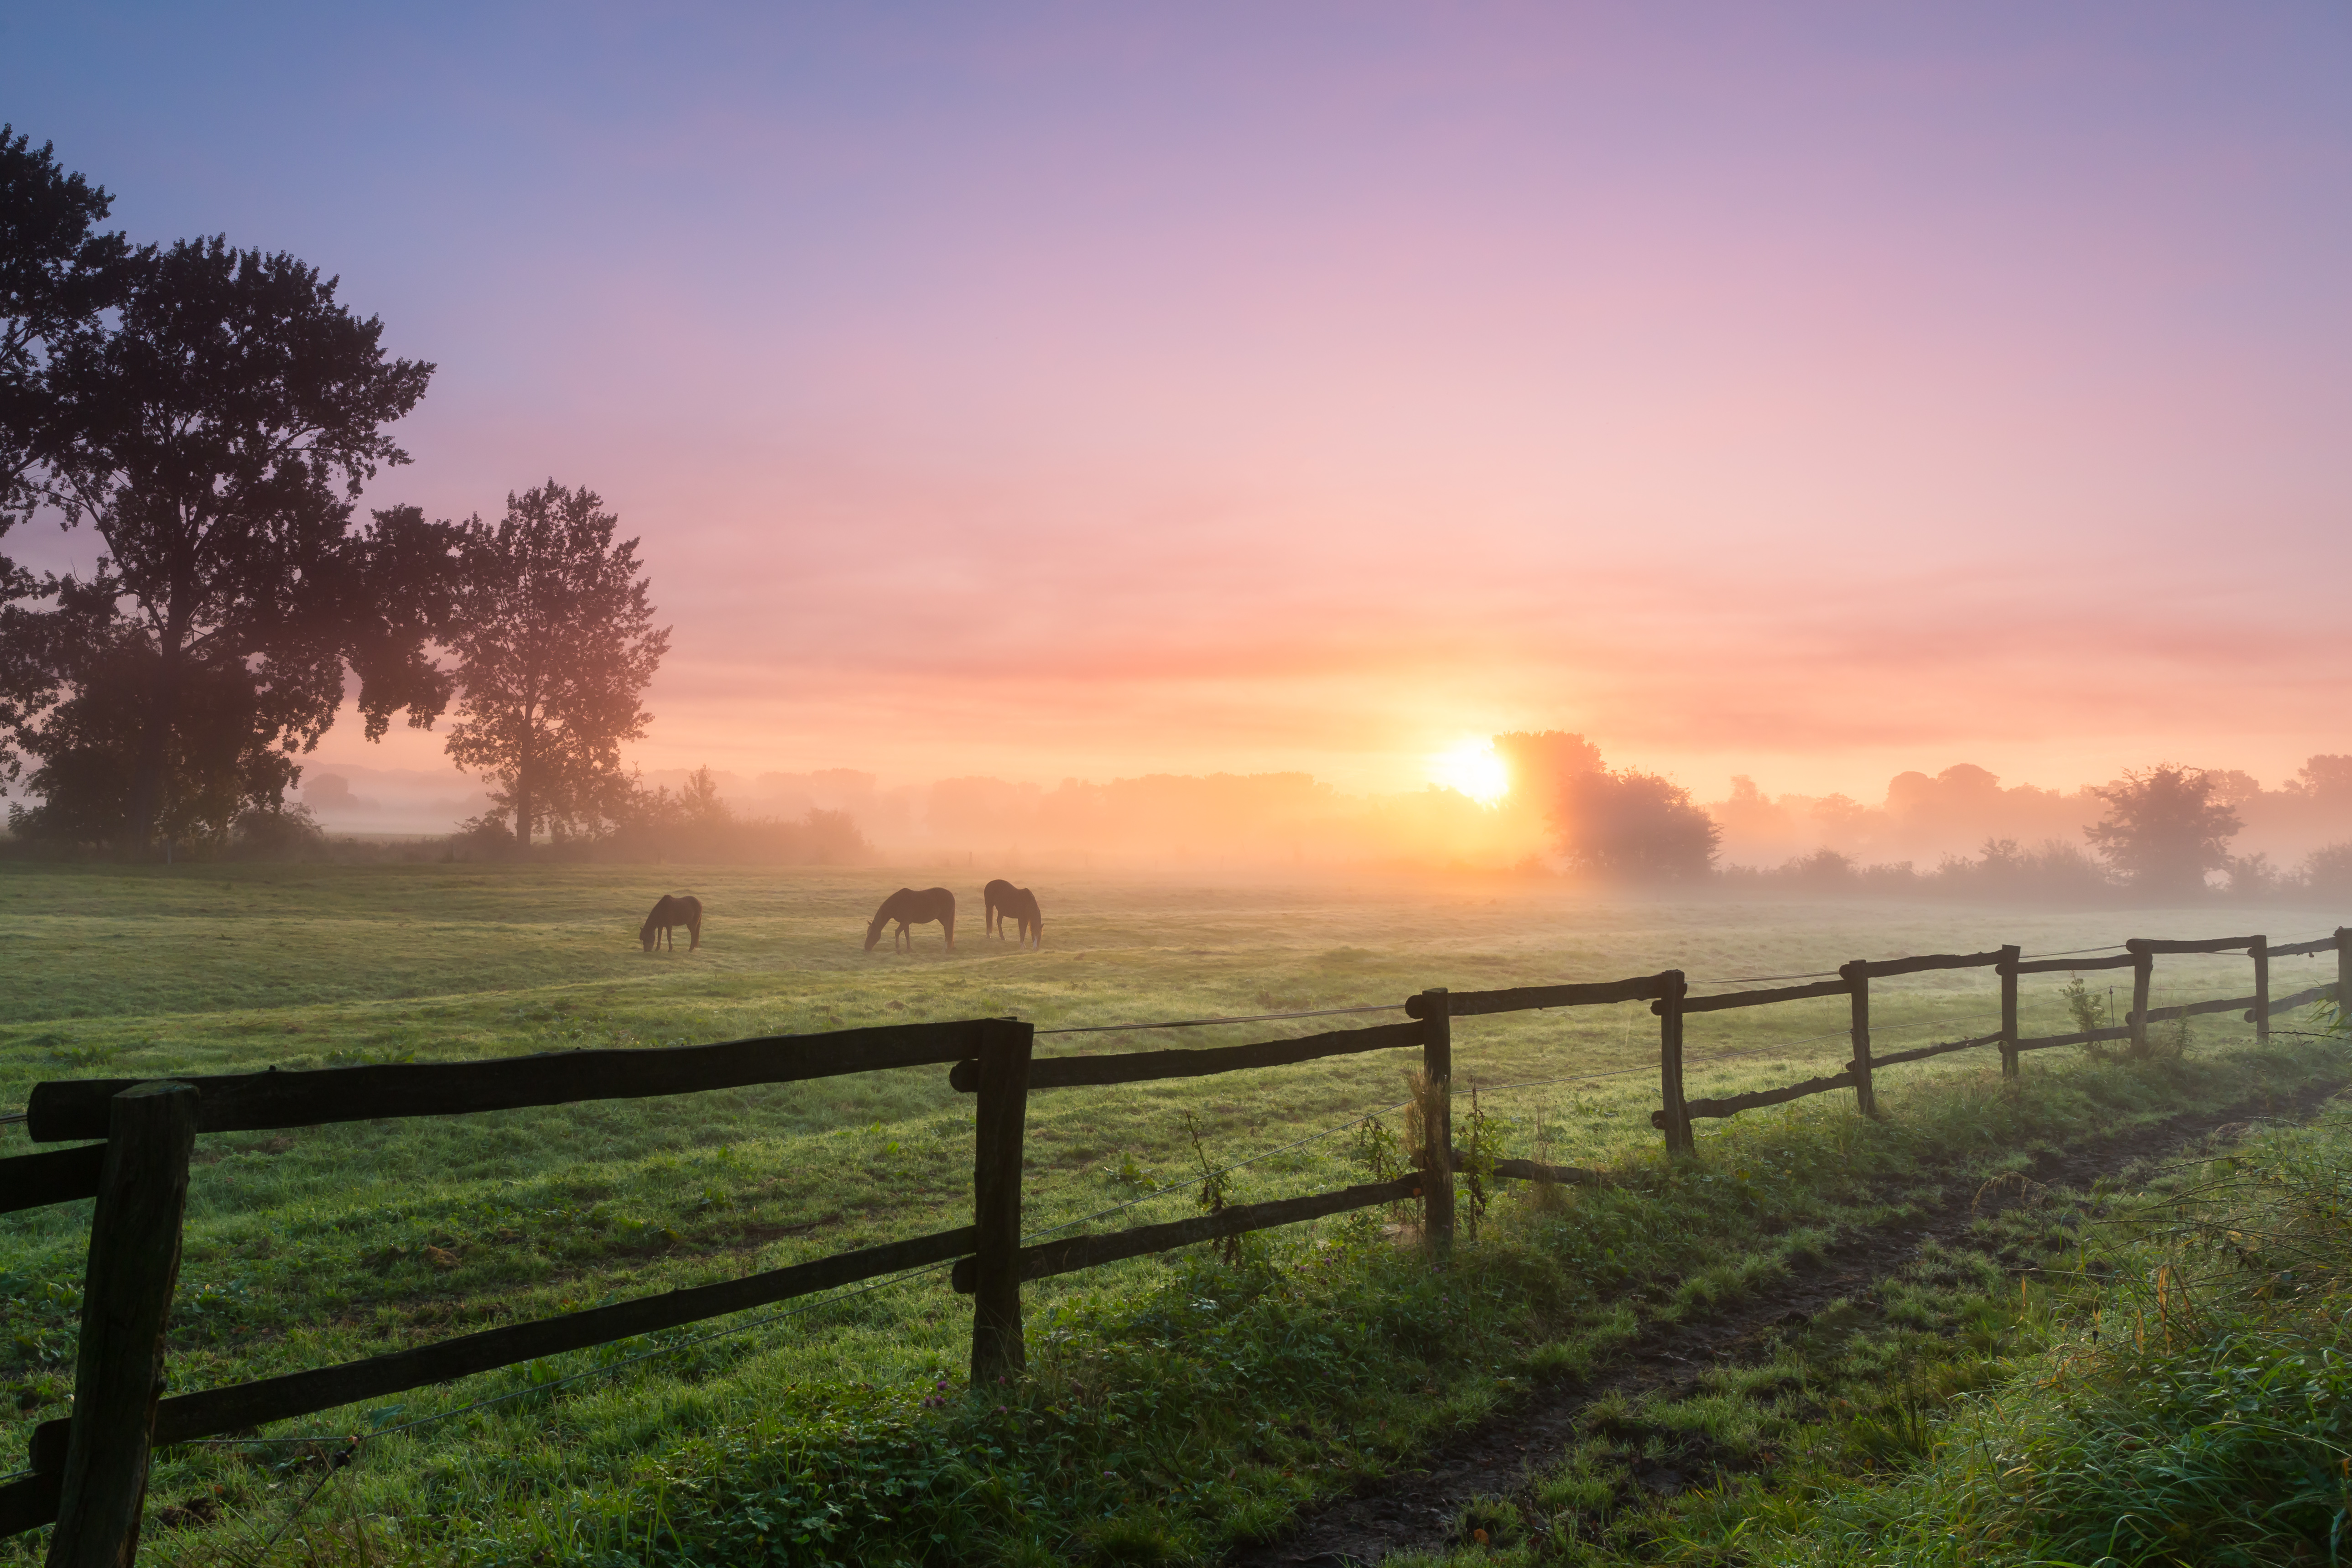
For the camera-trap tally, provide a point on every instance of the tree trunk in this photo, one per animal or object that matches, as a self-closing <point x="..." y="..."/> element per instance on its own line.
<point x="522" y="805"/>
<point x="147" y="773"/>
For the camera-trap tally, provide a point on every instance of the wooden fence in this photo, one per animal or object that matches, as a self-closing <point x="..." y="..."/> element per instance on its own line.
<point x="88" y="1472"/>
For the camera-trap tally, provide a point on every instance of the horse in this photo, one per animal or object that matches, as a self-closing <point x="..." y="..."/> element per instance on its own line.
<point x="1019" y="905"/>
<point x="675" y="909"/>
<point x="910" y="908"/>
<point x="995" y="896"/>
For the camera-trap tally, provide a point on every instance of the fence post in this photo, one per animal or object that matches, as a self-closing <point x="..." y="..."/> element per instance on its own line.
<point x="1437" y="1063"/>
<point x="2344" y="971"/>
<point x="1670" y="1064"/>
<point x="1857" y="977"/>
<point x="2143" y="980"/>
<point x="135" y="1262"/>
<point x="2261" y="953"/>
<point x="2009" y="957"/>
<point x="1001" y="1117"/>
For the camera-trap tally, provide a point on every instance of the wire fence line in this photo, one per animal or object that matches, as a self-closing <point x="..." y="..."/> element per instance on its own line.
<point x="1238" y="1018"/>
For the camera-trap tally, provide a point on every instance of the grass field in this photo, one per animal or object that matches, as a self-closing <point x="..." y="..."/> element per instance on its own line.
<point x="309" y="1247"/>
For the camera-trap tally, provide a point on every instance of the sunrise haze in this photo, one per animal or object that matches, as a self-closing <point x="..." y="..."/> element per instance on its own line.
<point x="1048" y="393"/>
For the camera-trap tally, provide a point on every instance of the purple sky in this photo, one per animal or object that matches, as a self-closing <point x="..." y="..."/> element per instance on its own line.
<point x="1808" y="393"/>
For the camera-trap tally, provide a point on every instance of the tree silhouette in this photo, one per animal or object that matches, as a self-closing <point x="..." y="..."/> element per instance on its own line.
<point x="56" y="276"/>
<point x="1539" y="763"/>
<point x="555" y="647"/>
<point x="2164" y="830"/>
<point x="1630" y="826"/>
<point x="221" y="429"/>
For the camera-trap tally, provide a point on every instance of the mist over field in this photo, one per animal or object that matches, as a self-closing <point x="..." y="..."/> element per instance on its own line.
<point x="1289" y="824"/>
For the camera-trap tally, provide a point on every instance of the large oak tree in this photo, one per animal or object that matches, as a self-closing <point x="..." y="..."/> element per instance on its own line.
<point x="555" y="647"/>
<point x="222" y="425"/>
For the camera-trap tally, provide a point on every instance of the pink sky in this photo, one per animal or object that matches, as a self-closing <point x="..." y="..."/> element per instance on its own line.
<point x="1812" y="394"/>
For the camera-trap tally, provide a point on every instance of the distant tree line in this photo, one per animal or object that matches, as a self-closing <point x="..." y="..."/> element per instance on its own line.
<point x="2163" y="831"/>
<point x="212" y="415"/>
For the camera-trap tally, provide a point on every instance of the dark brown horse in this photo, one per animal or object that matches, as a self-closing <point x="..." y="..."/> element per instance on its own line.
<point x="910" y="908"/>
<point x="994" y="896"/>
<point x="675" y="909"/>
<point x="1019" y="905"/>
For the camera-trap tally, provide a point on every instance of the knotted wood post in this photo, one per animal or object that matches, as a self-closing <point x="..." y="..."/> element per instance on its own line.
<point x="2009" y="957"/>
<point x="1857" y="977"/>
<point x="2143" y="981"/>
<point x="2259" y="950"/>
<point x="2343" y="971"/>
<point x="1000" y="1118"/>
<point x="134" y="1263"/>
<point x="1437" y="1117"/>
<point x="1670" y="1064"/>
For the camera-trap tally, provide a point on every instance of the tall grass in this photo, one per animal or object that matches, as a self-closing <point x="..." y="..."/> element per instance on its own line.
<point x="2194" y="1401"/>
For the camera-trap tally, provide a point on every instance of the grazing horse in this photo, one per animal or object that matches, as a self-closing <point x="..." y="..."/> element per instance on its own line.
<point x="675" y="909"/>
<point x="995" y="896"/>
<point x="910" y="908"/>
<point x="1019" y="905"/>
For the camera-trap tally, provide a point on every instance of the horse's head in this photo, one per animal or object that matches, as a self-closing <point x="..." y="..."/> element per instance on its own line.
<point x="874" y="932"/>
<point x="645" y="938"/>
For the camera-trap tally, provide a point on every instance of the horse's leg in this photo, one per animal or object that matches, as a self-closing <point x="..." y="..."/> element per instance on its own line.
<point x="947" y="924"/>
<point x="694" y="929"/>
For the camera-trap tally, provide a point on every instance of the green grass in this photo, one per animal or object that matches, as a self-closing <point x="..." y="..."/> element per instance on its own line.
<point x="1339" y="1351"/>
<point x="2152" y="1372"/>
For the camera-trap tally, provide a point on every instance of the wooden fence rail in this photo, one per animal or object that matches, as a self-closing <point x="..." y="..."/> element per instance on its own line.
<point x="90" y="1470"/>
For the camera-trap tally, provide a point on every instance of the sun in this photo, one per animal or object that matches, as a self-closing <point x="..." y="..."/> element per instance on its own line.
<point x="1473" y="768"/>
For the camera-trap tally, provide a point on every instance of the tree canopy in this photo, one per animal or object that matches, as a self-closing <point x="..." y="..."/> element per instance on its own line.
<point x="1630" y="826"/>
<point x="555" y="646"/>
<point x="57" y="273"/>
<point x="215" y="432"/>
<point x="2164" y="829"/>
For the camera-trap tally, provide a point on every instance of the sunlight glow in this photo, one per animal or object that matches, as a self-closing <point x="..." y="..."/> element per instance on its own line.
<point x="1473" y="768"/>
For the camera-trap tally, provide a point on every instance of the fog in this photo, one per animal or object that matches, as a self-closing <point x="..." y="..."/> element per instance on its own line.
<point x="1925" y="830"/>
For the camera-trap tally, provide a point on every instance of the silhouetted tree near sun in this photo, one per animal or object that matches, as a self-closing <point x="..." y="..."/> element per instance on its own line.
<point x="1633" y="826"/>
<point x="217" y="432"/>
<point x="557" y="645"/>
<point x="1541" y="763"/>
<point x="2164" y="829"/>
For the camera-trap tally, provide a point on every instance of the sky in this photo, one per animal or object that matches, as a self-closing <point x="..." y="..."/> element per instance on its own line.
<point x="1806" y="391"/>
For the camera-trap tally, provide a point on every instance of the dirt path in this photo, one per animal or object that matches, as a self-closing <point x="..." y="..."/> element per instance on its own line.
<point x="1416" y="1510"/>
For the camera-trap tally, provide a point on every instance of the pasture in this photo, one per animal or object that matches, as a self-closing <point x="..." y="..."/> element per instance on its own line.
<point x="309" y="1247"/>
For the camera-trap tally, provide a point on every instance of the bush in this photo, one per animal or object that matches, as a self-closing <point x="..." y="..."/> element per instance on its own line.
<point x="287" y="833"/>
<point x="2328" y="872"/>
